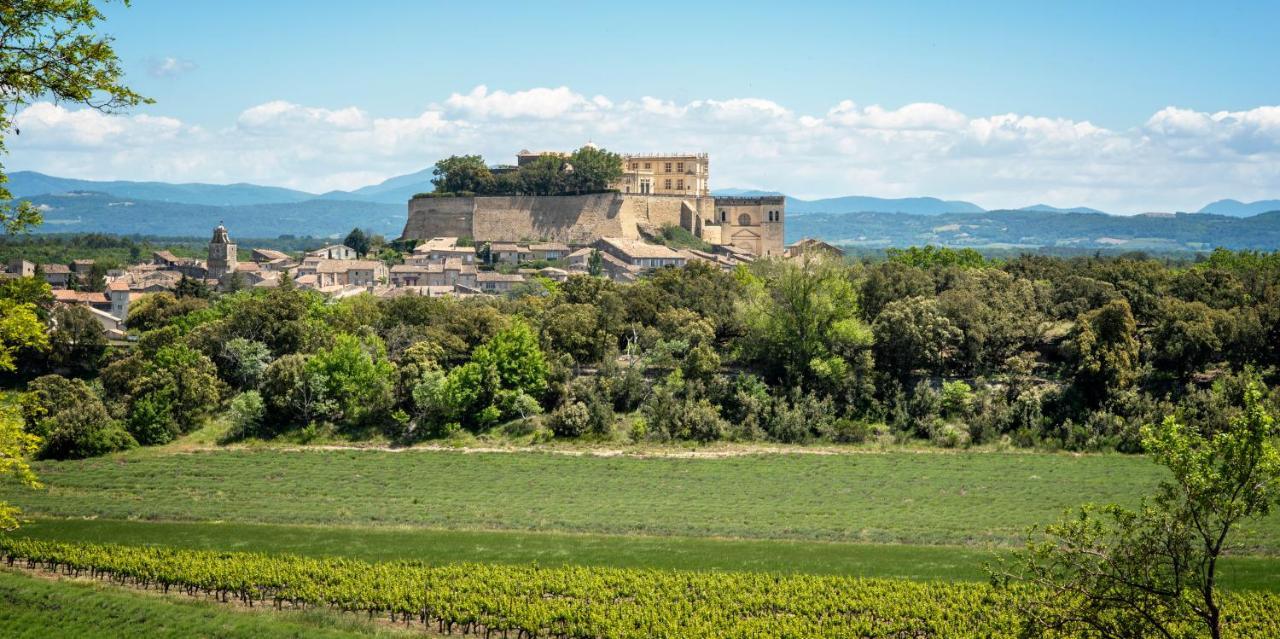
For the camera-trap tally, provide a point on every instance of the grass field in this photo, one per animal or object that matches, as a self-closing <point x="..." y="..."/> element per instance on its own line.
<point x="899" y="497"/>
<point x="37" y="608"/>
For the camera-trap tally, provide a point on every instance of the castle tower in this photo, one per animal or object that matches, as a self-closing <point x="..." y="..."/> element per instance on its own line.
<point x="222" y="254"/>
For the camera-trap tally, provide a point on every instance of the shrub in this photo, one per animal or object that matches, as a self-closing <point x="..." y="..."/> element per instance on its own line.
<point x="247" y="414"/>
<point x="570" y="420"/>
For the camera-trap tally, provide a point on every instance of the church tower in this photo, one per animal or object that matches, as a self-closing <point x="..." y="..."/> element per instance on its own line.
<point x="222" y="254"/>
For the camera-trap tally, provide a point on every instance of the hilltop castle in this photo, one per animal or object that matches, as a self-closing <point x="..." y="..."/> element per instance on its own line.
<point x="655" y="191"/>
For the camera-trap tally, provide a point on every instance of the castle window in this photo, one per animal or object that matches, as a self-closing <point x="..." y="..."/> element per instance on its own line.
<point x="680" y="185"/>
<point x="723" y="216"/>
<point x="634" y="165"/>
<point x="744" y="220"/>
<point x="667" y="167"/>
<point x="679" y="167"/>
<point x="666" y="184"/>
<point x="646" y="165"/>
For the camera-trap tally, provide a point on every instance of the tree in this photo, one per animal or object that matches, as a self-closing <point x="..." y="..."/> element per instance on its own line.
<point x="594" y="169"/>
<point x="913" y="334"/>
<point x="595" y="263"/>
<point x="358" y="241"/>
<point x="20" y="328"/>
<point x="544" y="175"/>
<point x="71" y="420"/>
<point x="180" y="386"/>
<point x="48" y="50"/>
<point x="191" y="287"/>
<point x="1114" y="572"/>
<point x="1104" y="349"/>
<point x="802" y="322"/>
<point x="462" y="174"/>
<point x="16" y="447"/>
<point x="77" y="341"/>
<point x="358" y="379"/>
<point x="242" y="362"/>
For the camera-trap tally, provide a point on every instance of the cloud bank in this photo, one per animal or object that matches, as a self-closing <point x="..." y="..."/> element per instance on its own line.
<point x="1178" y="159"/>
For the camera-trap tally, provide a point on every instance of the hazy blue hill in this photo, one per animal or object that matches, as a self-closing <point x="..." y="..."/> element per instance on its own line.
<point x="743" y="192"/>
<point x="863" y="203"/>
<point x="1053" y="209"/>
<point x="1034" y="229"/>
<point x="396" y="190"/>
<point x="1236" y="208"/>
<point x="28" y="183"/>
<point x="87" y="211"/>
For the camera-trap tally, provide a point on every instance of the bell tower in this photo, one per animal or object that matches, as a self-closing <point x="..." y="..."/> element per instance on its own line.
<point x="222" y="254"/>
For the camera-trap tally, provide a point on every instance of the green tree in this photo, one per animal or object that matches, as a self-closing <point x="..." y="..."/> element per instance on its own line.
<point x="595" y="263"/>
<point x="1114" y="572"/>
<point x="20" y="328"/>
<point x="70" y="419"/>
<point x="358" y="379"/>
<point x="1104" y="351"/>
<point x="462" y="174"/>
<point x="802" y="323"/>
<point x="292" y="394"/>
<point x="48" y="50"/>
<point x="543" y="176"/>
<point x="16" y="447"/>
<point x="593" y="169"/>
<point x="242" y="362"/>
<point x="77" y="341"/>
<point x="358" y="241"/>
<point x="181" y="385"/>
<point x="191" y="287"/>
<point x="913" y="335"/>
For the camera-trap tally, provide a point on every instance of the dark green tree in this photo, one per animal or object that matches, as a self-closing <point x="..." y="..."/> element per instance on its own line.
<point x="358" y="241"/>
<point x="462" y="174"/>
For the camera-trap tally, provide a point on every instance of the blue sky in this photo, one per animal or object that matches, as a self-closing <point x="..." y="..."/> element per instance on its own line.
<point x="759" y="85"/>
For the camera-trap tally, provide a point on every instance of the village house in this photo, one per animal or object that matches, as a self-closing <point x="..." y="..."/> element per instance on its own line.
<point x="494" y="282"/>
<point x="57" y="275"/>
<point x="324" y="273"/>
<point x="438" y="249"/>
<point x="548" y="251"/>
<point x="640" y="254"/>
<point x="334" y="252"/>
<point x="449" y="272"/>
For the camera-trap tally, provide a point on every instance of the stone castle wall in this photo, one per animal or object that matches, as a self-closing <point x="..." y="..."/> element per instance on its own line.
<point x="582" y="219"/>
<point x="575" y="219"/>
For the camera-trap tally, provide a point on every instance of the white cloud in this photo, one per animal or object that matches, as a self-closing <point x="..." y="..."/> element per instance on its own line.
<point x="1177" y="159"/>
<point x="169" y="66"/>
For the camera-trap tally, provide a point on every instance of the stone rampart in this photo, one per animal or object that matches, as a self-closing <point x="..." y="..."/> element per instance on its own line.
<point x="574" y="219"/>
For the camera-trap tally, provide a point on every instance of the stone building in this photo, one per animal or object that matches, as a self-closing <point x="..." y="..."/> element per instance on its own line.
<point x="222" y="254"/>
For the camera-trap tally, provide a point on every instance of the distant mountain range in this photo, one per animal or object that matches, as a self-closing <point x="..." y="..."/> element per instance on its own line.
<point x="250" y="210"/>
<point x="1236" y="208"/>
<point x="1034" y="229"/>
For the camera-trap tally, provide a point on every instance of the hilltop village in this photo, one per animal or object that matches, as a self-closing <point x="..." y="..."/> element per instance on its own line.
<point x="657" y="213"/>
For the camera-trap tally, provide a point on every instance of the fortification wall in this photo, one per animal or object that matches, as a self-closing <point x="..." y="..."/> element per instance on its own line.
<point x="574" y="219"/>
<point x="439" y="217"/>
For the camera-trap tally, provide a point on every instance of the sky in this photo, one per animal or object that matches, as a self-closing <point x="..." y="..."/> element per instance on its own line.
<point x="1123" y="106"/>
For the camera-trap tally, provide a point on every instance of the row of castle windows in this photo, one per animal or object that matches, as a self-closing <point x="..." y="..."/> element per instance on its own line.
<point x="745" y="220"/>
<point x="666" y="168"/>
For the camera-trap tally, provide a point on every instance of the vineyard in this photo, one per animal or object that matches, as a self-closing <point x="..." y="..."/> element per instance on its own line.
<point x="524" y="602"/>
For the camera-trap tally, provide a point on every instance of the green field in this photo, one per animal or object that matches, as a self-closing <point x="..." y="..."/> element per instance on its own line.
<point x="916" y="515"/>
<point x="899" y="497"/>
<point x="38" y="609"/>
